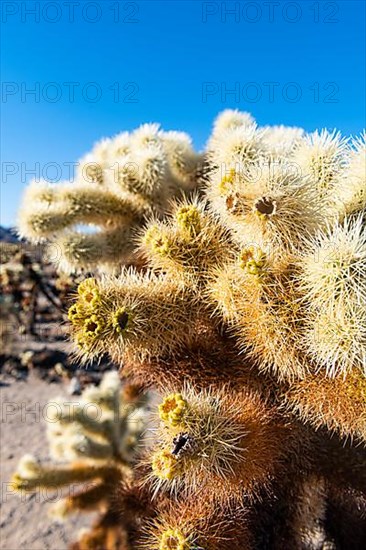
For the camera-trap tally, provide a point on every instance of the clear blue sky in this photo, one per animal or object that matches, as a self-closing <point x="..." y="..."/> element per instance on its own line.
<point x="175" y="62"/>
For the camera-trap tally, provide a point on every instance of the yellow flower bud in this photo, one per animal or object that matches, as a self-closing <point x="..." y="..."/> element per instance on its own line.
<point x="158" y="242"/>
<point x="93" y="326"/>
<point x="172" y="409"/>
<point x="189" y="219"/>
<point x="252" y="260"/>
<point x="164" y="465"/>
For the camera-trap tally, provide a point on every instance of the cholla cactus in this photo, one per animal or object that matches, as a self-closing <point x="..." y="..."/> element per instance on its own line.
<point x="246" y="312"/>
<point x="187" y="528"/>
<point x="121" y="182"/>
<point x="143" y="316"/>
<point x="322" y="157"/>
<point x="96" y="441"/>
<point x="333" y="281"/>
<point x="352" y="197"/>
<point x="219" y="445"/>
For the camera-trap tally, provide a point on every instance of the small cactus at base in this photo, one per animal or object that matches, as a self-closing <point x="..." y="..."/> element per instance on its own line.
<point x="95" y="442"/>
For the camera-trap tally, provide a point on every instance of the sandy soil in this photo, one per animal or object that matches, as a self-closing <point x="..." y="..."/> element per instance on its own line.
<point x="23" y="520"/>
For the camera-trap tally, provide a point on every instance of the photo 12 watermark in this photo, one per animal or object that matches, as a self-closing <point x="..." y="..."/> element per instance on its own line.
<point x="70" y="12"/>
<point x="69" y="92"/>
<point x="271" y="12"/>
<point x="270" y="92"/>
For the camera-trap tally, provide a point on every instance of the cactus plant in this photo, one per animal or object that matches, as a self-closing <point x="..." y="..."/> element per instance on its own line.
<point x="244" y="310"/>
<point x="93" y="443"/>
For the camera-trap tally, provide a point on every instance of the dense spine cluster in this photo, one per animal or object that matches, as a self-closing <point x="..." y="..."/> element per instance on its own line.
<point x="246" y="313"/>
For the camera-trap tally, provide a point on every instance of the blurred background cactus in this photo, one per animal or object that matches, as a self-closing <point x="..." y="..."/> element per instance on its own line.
<point x="95" y="441"/>
<point x="242" y="304"/>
